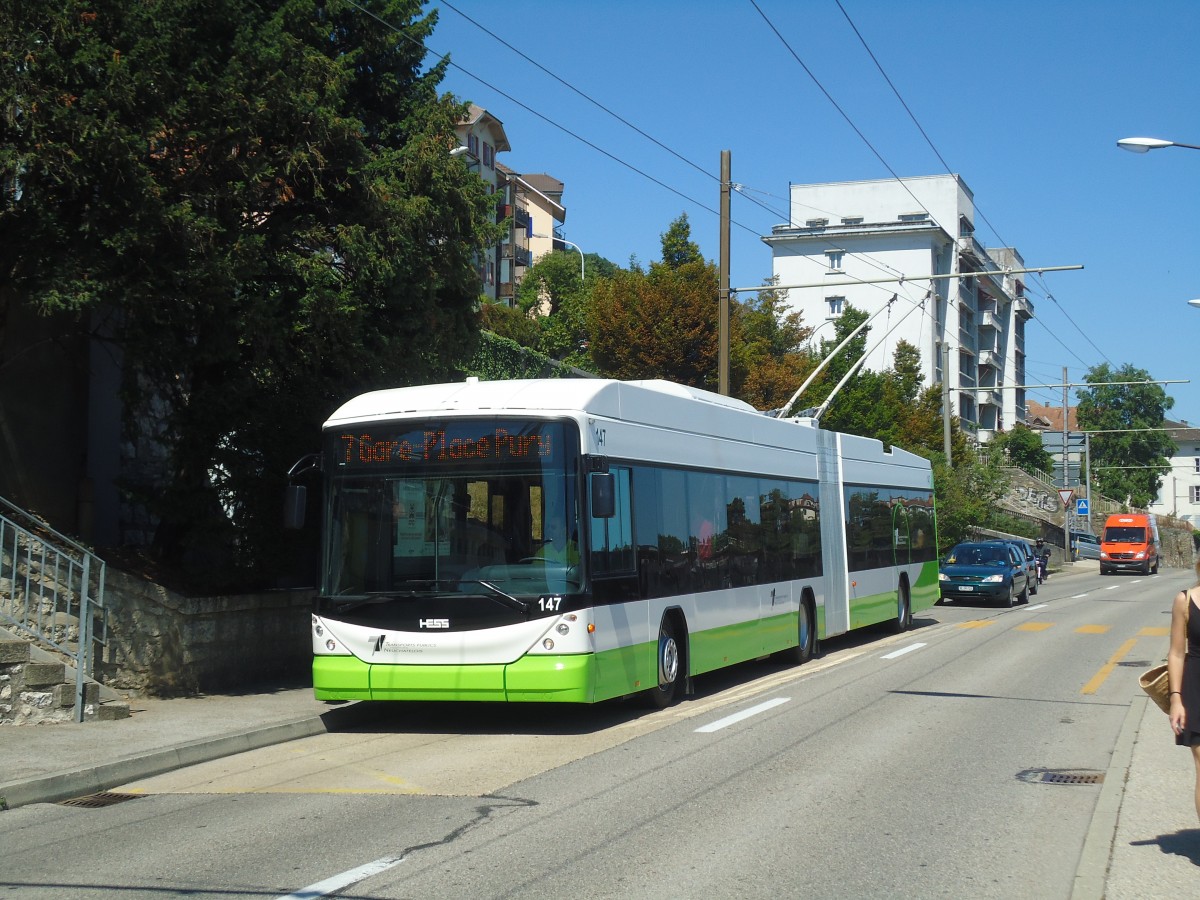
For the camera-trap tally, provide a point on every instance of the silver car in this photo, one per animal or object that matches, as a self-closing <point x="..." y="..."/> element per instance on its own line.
<point x="1087" y="546"/>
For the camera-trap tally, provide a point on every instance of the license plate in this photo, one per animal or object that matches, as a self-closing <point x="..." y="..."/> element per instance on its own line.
<point x="966" y="587"/>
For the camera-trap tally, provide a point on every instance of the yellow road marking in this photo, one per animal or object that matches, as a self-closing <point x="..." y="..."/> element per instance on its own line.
<point x="1156" y="631"/>
<point x="1093" y="629"/>
<point x="1035" y="626"/>
<point x="978" y="623"/>
<point x="1098" y="679"/>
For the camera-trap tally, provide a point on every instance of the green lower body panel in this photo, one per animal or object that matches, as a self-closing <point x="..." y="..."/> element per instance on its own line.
<point x="562" y="679"/>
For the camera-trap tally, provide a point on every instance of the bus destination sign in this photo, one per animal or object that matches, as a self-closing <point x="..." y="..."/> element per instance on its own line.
<point x="477" y="442"/>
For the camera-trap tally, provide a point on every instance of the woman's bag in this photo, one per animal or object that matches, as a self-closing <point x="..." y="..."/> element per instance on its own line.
<point x="1154" y="682"/>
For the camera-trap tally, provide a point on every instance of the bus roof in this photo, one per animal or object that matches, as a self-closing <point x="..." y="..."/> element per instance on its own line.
<point x="656" y="403"/>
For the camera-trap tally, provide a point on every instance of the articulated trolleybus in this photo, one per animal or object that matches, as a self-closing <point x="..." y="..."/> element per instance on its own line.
<point x="578" y="540"/>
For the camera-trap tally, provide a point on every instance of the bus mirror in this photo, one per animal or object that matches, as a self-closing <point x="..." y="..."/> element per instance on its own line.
<point x="603" y="495"/>
<point x="295" y="500"/>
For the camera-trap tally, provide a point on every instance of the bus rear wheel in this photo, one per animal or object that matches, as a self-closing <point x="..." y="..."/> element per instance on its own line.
<point x="663" y="695"/>
<point x="903" y="611"/>
<point x="806" y="635"/>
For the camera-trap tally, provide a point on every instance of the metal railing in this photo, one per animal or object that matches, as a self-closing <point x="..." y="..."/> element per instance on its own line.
<point x="52" y="590"/>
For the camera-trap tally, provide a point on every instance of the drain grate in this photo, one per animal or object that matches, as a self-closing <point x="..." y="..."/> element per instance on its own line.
<point x="1061" y="776"/>
<point x="95" y="801"/>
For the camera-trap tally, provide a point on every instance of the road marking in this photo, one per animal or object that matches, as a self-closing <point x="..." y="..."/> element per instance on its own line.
<point x="352" y="876"/>
<point x="1098" y="679"/>
<point x="1035" y="626"/>
<point x="1112" y="587"/>
<point x="1079" y="596"/>
<point x="1155" y="631"/>
<point x="1038" y="606"/>
<point x="738" y="716"/>
<point x="909" y="649"/>
<point x="1093" y="629"/>
<point x="977" y="623"/>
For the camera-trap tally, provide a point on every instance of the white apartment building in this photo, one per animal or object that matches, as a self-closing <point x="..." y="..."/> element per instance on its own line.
<point x="531" y="204"/>
<point x="1179" y="494"/>
<point x="843" y="234"/>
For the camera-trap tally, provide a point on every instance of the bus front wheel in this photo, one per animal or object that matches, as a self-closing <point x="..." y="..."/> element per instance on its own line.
<point x="663" y="695"/>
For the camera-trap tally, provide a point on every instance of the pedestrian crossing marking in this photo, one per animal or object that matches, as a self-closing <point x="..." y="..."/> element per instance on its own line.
<point x="1093" y="629"/>
<point x="1035" y="626"/>
<point x="1156" y="631"/>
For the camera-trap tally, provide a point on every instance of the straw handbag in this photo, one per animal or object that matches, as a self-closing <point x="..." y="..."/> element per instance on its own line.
<point x="1154" y="682"/>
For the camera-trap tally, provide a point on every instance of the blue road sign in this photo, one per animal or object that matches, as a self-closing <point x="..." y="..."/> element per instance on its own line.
<point x="1081" y="506"/>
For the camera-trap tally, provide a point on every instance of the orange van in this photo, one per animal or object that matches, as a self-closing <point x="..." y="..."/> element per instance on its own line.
<point x="1129" y="542"/>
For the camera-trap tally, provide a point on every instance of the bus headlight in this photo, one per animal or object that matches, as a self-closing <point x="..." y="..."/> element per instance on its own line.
<point x="563" y="628"/>
<point x="319" y="630"/>
<point x="331" y="644"/>
<point x="548" y="643"/>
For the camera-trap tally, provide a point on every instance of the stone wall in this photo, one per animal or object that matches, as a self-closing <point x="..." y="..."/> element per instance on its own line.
<point x="161" y="643"/>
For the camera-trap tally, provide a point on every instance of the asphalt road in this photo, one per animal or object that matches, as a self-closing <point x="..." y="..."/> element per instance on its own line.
<point x="922" y="765"/>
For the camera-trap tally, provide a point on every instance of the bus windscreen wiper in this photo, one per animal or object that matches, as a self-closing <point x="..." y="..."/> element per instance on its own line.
<point x="499" y="595"/>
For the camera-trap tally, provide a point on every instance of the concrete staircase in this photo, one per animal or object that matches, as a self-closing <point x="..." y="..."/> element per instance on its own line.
<point x="37" y="689"/>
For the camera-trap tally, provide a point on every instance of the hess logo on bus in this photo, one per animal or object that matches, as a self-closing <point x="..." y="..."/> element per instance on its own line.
<point x="433" y="623"/>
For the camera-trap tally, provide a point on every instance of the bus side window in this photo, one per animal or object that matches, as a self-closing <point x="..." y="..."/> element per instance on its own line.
<point x="612" y="538"/>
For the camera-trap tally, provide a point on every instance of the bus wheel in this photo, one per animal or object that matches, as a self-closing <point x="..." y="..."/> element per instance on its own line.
<point x="903" y="611"/>
<point x="663" y="695"/>
<point x="806" y="635"/>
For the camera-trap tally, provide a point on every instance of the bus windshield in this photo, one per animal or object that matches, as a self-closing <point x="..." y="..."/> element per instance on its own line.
<point x="480" y="507"/>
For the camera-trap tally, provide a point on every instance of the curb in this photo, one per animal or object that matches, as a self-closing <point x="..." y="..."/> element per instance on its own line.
<point x="68" y="784"/>
<point x="1092" y="872"/>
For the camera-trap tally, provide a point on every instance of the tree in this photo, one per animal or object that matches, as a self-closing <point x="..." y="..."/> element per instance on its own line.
<point x="1130" y="451"/>
<point x="661" y="323"/>
<point x="770" y="351"/>
<point x="1021" y="447"/>
<point x="259" y="195"/>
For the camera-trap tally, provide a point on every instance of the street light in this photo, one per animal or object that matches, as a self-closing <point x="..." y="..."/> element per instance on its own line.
<point x="1145" y="144"/>
<point x="569" y="244"/>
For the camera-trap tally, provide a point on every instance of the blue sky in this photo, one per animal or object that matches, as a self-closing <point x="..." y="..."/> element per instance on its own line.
<point x="1025" y="100"/>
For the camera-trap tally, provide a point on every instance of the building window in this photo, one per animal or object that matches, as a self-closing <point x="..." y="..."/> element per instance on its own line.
<point x="914" y="217"/>
<point x="835" y="259"/>
<point x="852" y="220"/>
<point x="489" y="158"/>
<point x="816" y="223"/>
<point x="835" y="305"/>
<point x="473" y="145"/>
<point x="1195" y="493"/>
<point x="1196" y="461"/>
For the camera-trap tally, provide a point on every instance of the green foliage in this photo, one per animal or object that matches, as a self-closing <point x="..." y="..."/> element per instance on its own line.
<point x="260" y="199"/>
<point x="500" y="359"/>
<point x="510" y="323"/>
<point x="678" y="248"/>
<point x="966" y="498"/>
<point x="1021" y="447"/>
<point x="1129" y="461"/>
<point x="769" y="356"/>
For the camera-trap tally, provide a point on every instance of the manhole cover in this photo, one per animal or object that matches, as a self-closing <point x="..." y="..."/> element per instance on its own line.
<point x="1061" y="776"/>
<point x="95" y="801"/>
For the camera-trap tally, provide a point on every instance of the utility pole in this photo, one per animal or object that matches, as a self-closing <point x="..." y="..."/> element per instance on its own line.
<point x="1066" y="478"/>
<point x="723" y="289"/>
<point x="946" y="403"/>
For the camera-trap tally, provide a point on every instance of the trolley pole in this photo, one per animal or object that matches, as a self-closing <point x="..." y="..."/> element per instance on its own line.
<point x="723" y="316"/>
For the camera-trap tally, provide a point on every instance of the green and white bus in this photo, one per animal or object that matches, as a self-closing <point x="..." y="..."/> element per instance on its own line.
<point x="577" y="540"/>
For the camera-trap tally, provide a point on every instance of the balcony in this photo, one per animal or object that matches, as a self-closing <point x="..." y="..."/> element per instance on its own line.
<point x="989" y="358"/>
<point x="989" y="319"/>
<point x="521" y="256"/>
<point x="519" y="215"/>
<point x="1023" y="307"/>
<point x="989" y="397"/>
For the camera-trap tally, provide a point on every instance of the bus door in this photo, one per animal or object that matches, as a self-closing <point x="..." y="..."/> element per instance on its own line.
<point x="833" y="534"/>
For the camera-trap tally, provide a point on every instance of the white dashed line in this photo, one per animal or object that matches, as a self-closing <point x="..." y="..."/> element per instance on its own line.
<point x="744" y="714"/>
<point x="909" y="649"/>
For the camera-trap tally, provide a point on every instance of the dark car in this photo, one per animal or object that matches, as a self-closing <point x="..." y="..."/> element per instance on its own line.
<point x="1030" y="556"/>
<point x="985" y="570"/>
<point x="1087" y="545"/>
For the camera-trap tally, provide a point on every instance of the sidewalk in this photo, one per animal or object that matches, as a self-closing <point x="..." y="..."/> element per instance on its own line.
<point x="48" y="763"/>
<point x="1144" y="839"/>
